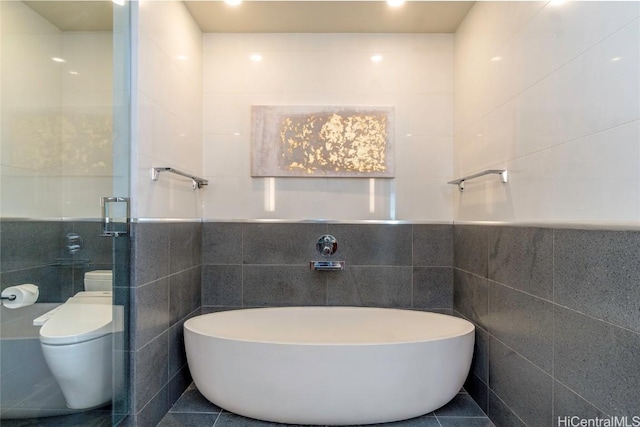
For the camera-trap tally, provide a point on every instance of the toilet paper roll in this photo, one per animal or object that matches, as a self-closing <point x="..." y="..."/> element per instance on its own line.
<point x="26" y="294"/>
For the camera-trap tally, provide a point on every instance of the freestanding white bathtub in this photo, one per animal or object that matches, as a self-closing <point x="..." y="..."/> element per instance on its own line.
<point x="328" y="365"/>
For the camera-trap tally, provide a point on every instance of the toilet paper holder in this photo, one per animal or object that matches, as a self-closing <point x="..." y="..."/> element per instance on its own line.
<point x="20" y="295"/>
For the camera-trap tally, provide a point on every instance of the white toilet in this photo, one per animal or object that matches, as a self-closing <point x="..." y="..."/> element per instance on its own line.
<point x="76" y="341"/>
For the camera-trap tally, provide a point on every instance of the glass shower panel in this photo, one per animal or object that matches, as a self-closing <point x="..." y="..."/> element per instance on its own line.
<point x="64" y="129"/>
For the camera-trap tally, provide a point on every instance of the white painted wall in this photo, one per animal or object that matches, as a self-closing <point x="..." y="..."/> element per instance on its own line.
<point x="30" y="114"/>
<point x="87" y="122"/>
<point x="56" y="118"/>
<point x="550" y="93"/>
<point x="559" y="110"/>
<point x="415" y="76"/>
<point x="168" y="110"/>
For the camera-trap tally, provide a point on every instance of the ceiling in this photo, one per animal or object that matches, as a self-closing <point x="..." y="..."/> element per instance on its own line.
<point x="328" y="16"/>
<point x="76" y="15"/>
<point x="266" y="16"/>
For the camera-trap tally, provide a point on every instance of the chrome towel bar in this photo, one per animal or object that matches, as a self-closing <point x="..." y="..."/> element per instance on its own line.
<point x="197" y="182"/>
<point x="460" y="181"/>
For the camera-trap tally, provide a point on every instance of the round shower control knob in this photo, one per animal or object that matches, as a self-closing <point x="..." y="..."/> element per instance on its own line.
<point x="327" y="245"/>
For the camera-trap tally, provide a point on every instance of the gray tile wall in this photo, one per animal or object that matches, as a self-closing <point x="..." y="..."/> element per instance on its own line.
<point x="166" y="291"/>
<point x="29" y="250"/>
<point x="387" y="265"/>
<point x="558" y="321"/>
<point x="556" y="310"/>
<point x="34" y="252"/>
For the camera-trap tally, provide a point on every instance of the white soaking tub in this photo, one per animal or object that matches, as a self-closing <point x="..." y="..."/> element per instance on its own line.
<point x="328" y="365"/>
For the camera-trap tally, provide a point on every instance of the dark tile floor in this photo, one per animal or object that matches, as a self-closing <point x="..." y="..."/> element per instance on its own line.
<point x="193" y="410"/>
<point x="95" y="418"/>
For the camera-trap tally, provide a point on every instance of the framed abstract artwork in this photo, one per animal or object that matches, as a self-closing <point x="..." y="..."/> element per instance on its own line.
<point x="318" y="141"/>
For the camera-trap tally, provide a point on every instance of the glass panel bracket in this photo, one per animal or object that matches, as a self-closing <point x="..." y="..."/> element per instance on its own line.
<point x="116" y="216"/>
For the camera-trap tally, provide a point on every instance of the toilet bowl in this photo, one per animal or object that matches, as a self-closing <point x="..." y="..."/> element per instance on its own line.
<point x="76" y="342"/>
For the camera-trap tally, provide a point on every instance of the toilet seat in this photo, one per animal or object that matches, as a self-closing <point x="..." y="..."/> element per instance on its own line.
<point x="84" y="317"/>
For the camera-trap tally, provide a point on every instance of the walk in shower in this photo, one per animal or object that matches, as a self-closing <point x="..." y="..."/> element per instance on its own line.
<point x="64" y="128"/>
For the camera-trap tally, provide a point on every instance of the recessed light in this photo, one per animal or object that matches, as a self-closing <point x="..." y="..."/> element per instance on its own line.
<point x="256" y="57"/>
<point x="376" y="58"/>
<point x="496" y="58"/>
<point x="395" y="3"/>
<point x="73" y="73"/>
<point x="616" y="59"/>
<point x="233" y="2"/>
<point x="56" y="59"/>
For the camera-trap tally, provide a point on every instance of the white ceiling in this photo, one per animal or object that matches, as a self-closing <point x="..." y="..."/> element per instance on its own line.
<point x="75" y="15"/>
<point x="266" y="16"/>
<point x="329" y="16"/>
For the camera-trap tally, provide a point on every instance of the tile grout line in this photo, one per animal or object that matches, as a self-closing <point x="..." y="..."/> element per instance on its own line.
<point x="217" y="418"/>
<point x="169" y="318"/>
<point x="509" y="408"/>
<point x="242" y="265"/>
<point x="488" y="364"/>
<point x="413" y="265"/>
<point x="553" y="324"/>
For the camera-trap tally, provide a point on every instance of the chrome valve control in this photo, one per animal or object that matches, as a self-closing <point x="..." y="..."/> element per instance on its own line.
<point x="327" y="245"/>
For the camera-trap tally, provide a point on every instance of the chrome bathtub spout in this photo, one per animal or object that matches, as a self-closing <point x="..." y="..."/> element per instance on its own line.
<point x="326" y="265"/>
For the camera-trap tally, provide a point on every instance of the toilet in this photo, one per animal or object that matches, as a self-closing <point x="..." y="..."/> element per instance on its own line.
<point x="76" y="341"/>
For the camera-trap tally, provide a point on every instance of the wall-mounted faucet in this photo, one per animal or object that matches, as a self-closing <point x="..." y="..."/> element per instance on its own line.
<point x="327" y="245"/>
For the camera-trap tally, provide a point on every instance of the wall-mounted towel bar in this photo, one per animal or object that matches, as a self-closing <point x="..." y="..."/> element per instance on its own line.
<point x="460" y="181"/>
<point x="197" y="182"/>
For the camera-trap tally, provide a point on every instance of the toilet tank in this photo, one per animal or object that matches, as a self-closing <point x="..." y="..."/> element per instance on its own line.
<point x="98" y="280"/>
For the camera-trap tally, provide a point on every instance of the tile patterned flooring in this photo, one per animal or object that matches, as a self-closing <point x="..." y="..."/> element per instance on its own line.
<point x="94" y="418"/>
<point x="193" y="410"/>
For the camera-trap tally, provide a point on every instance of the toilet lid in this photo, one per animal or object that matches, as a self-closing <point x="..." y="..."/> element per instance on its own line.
<point x="77" y="322"/>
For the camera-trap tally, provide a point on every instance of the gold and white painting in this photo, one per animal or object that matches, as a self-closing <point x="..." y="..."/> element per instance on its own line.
<point x="318" y="141"/>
